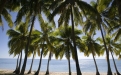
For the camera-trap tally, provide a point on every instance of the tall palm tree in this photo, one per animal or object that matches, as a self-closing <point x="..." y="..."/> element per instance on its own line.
<point x="70" y="10"/>
<point x="65" y="45"/>
<point x="17" y="40"/>
<point x="34" y="47"/>
<point x="94" y="48"/>
<point x="43" y="41"/>
<point x="33" y="9"/>
<point x="113" y="47"/>
<point x="50" y="49"/>
<point x="100" y="24"/>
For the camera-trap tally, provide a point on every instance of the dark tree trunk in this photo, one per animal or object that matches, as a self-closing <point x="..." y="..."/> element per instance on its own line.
<point x="76" y="55"/>
<point x="16" y="65"/>
<point x="97" y="72"/>
<point x="18" y="70"/>
<point x="27" y="46"/>
<point x="115" y="65"/>
<point x="47" y="72"/>
<point x="69" y="66"/>
<point x="31" y="64"/>
<point x="107" y="52"/>
<point x="39" y="63"/>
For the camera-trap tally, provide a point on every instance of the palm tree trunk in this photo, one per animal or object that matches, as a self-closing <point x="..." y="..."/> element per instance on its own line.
<point x="27" y="46"/>
<point x="47" y="72"/>
<point x="107" y="52"/>
<point x="16" y="65"/>
<point x="18" y="70"/>
<point x="31" y="64"/>
<point x="97" y="72"/>
<point x="2" y="5"/>
<point x="69" y="66"/>
<point x="115" y="65"/>
<point x="76" y="55"/>
<point x="39" y="63"/>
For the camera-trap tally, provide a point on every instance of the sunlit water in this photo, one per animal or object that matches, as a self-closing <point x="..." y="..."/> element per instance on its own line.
<point x="86" y="65"/>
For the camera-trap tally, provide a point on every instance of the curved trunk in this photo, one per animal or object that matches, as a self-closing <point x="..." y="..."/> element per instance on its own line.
<point x="16" y="65"/>
<point x="97" y="72"/>
<point x="47" y="72"/>
<point x="115" y="64"/>
<point x="39" y="63"/>
<point x="31" y="64"/>
<point x="76" y="55"/>
<point x="18" y="70"/>
<point x="107" y="53"/>
<point x="27" y="46"/>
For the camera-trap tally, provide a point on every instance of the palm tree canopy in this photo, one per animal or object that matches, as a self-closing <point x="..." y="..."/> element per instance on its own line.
<point x="63" y="7"/>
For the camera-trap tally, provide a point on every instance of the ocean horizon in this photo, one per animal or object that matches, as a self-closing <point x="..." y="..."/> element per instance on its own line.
<point x="86" y="65"/>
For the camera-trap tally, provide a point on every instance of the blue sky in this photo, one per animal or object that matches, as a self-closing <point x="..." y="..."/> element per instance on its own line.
<point x="4" y="40"/>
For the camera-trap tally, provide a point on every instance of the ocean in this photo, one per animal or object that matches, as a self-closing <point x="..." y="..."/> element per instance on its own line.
<point x="86" y="65"/>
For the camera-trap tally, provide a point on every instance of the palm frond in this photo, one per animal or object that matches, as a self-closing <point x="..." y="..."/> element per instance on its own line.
<point x="57" y="10"/>
<point x="118" y="34"/>
<point x="7" y="17"/>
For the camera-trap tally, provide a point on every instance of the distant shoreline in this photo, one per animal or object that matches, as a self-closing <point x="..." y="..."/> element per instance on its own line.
<point x="10" y="72"/>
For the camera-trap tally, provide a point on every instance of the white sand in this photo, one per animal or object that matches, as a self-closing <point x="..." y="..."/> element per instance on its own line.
<point x="5" y="72"/>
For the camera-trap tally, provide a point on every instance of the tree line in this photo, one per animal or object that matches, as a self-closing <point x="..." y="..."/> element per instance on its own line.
<point x="100" y="15"/>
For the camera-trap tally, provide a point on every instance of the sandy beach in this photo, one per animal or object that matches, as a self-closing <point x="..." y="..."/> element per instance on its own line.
<point x="9" y="72"/>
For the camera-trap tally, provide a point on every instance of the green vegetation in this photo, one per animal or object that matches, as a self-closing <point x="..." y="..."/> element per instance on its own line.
<point x="85" y="20"/>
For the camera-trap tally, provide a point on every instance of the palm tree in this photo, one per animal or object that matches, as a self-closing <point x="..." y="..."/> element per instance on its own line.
<point x="50" y="49"/>
<point x="32" y="9"/>
<point x="69" y="10"/>
<point x="65" y="45"/>
<point x="113" y="47"/>
<point x="99" y="21"/>
<point x="94" y="48"/>
<point x="43" y="41"/>
<point x="34" y="47"/>
<point x="17" y="40"/>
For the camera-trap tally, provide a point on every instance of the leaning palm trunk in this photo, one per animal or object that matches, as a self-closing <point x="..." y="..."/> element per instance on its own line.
<point x="18" y="70"/>
<point x="39" y="63"/>
<point x="27" y="46"/>
<point x="107" y="52"/>
<point x="16" y="65"/>
<point x="76" y="55"/>
<point x="31" y="64"/>
<point x="97" y="72"/>
<point x="47" y="72"/>
<point x="115" y="65"/>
